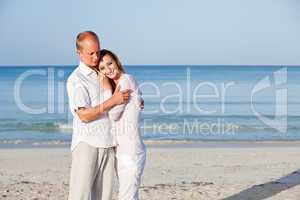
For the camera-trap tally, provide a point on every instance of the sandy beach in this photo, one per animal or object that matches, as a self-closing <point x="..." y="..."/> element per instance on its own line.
<point x="174" y="170"/>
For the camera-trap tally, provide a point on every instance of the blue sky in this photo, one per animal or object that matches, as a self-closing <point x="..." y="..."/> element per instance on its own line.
<point x="35" y="32"/>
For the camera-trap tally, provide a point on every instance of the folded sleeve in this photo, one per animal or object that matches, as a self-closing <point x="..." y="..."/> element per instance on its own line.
<point x="78" y="96"/>
<point x="81" y="97"/>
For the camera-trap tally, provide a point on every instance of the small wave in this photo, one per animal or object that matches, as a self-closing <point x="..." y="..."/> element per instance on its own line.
<point x="38" y="126"/>
<point x="175" y="122"/>
<point x="197" y="125"/>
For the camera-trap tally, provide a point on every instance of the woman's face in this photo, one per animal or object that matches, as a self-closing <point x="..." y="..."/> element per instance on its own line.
<point x="109" y="67"/>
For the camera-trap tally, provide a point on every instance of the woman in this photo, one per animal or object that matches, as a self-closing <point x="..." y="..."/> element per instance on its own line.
<point x="130" y="150"/>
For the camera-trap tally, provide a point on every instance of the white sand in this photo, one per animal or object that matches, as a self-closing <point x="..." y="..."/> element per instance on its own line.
<point x="188" y="171"/>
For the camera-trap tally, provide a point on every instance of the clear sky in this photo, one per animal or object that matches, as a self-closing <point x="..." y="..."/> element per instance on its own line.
<point x="42" y="32"/>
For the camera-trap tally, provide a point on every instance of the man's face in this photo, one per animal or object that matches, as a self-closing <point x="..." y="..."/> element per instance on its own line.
<point x="90" y="52"/>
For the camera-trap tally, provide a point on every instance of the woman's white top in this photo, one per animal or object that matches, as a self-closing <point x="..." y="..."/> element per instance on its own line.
<point x="125" y="119"/>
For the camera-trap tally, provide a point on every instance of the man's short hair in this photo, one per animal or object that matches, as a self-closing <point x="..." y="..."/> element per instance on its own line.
<point x="82" y="36"/>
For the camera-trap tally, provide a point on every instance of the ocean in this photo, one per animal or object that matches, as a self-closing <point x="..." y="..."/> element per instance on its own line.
<point x="181" y="102"/>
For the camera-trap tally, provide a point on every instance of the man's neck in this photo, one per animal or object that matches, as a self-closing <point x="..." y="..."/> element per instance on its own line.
<point x="92" y="67"/>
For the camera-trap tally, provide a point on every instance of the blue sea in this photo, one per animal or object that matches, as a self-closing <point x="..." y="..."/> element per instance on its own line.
<point x="181" y="102"/>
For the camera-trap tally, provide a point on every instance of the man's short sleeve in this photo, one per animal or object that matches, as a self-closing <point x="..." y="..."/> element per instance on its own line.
<point x="78" y="96"/>
<point x="81" y="97"/>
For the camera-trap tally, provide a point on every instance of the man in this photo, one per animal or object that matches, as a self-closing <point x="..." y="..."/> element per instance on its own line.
<point x="93" y="156"/>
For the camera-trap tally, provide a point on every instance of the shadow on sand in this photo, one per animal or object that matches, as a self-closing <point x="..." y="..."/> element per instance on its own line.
<point x="262" y="191"/>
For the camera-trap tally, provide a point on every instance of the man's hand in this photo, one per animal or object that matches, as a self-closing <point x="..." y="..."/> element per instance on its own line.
<point x="142" y="105"/>
<point x="89" y="114"/>
<point x="121" y="97"/>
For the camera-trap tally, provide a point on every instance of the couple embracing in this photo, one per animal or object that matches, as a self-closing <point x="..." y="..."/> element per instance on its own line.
<point x="105" y="103"/>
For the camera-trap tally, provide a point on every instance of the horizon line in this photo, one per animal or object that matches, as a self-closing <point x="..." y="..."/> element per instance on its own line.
<point x="166" y="65"/>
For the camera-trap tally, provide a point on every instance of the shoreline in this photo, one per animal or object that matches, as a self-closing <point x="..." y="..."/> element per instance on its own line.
<point x="158" y="143"/>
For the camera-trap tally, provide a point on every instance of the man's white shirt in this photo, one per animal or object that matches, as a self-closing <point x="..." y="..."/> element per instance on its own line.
<point x="84" y="90"/>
